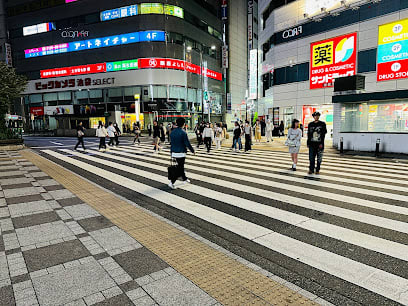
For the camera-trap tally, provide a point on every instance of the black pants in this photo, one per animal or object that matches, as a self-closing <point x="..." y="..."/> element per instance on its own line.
<point x="111" y="141"/>
<point x="180" y="164"/>
<point x="150" y="133"/>
<point x="102" y="143"/>
<point x="117" y="140"/>
<point x="136" y="138"/>
<point x="247" y="142"/>
<point x="208" y="142"/>
<point x="80" y="141"/>
<point x="199" y="140"/>
<point x="315" y="151"/>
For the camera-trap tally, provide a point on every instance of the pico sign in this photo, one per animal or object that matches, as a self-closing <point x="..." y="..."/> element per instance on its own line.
<point x="392" y="51"/>
<point x="332" y="58"/>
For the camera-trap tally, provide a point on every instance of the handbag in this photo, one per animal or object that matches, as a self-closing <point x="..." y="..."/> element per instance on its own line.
<point x="173" y="171"/>
<point x="80" y="133"/>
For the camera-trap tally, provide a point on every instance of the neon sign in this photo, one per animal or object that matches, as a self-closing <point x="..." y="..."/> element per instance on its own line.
<point x="38" y="28"/>
<point x="141" y="63"/>
<point x="122" y="12"/>
<point x="95" y="43"/>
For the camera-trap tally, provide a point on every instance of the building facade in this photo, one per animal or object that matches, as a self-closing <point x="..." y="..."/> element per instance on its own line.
<point x="123" y="61"/>
<point x="307" y="44"/>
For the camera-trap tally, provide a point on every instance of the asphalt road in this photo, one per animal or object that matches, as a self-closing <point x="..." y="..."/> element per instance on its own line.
<point x="342" y="235"/>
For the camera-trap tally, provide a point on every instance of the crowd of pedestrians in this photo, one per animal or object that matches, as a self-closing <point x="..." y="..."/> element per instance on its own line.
<point x="210" y="134"/>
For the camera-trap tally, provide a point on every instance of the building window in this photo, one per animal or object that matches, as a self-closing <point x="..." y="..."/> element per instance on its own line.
<point x="296" y="73"/>
<point x="380" y="117"/>
<point x="367" y="60"/>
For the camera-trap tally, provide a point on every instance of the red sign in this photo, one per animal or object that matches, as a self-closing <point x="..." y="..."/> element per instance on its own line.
<point x="75" y="70"/>
<point x="392" y="70"/>
<point x="332" y="58"/>
<point x="37" y="111"/>
<point x="307" y="115"/>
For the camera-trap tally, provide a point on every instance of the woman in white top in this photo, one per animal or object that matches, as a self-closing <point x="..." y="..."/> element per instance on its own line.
<point x="218" y="136"/>
<point x="269" y="128"/>
<point x="208" y="136"/>
<point x="101" y="133"/>
<point x="294" y="141"/>
<point x="111" y="134"/>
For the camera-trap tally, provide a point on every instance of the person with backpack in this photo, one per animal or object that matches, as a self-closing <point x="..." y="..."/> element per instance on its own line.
<point x="111" y="134"/>
<point x="80" y="135"/>
<point x="101" y="133"/>
<point x="218" y="136"/>
<point x="178" y="151"/>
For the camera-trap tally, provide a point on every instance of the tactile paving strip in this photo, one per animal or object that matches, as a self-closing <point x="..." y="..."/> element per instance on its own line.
<point x="225" y="279"/>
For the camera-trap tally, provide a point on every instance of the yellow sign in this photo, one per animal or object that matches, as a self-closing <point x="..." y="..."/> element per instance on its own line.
<point x="323" y="54"/>
<point x="393" y="32"/>
<point x="137" y="97"/>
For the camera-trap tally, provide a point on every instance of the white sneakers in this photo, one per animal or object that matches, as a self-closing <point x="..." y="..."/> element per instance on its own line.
<point x="171" y="185"/>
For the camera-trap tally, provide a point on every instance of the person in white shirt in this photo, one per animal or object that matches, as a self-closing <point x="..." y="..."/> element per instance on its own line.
<point x="218" y="136"/>
<point x="208" y="137"/>
<point x="269" y="128"/>
<point x="294" y="142"/>
<point x="111" y="134"/>
<point x="101" y="133"/>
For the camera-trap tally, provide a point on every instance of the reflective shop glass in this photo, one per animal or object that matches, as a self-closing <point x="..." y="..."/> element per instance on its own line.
<point x="382" y="117"/>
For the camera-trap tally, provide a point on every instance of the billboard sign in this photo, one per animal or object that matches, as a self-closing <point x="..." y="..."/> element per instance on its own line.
<point x="122" y="12"/>
<point x="74" y="70"/>
<point x="253" y="79"/>
<point x="122" y="65"/>
<point x="37" y="111"/>
<point x="332" y="58"/>
<point x="38" y="28"/>
<point x="392" y="51"/>
<point x="59" y="110"/>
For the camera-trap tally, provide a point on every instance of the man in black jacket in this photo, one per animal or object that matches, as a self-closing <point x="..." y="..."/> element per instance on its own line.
<point x="80" y="135"/>
<point x="315" y="141"/>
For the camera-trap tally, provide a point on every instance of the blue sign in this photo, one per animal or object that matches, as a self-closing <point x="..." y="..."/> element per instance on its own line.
<point x="109" y="41"/>
<point x="122" y="12"/>
<point x="392" y="52"/>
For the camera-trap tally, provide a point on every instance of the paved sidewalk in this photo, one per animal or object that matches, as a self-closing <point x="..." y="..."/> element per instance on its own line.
<point x="56" y="249"/>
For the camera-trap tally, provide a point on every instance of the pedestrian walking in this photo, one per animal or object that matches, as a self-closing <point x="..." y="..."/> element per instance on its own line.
<point x="269" y="128"/>
<point x="316" y="134"/>
<point x="101" y="133"/>
<point x="237" y="137"/>
<point x="178" y="150"/>
<point x="136" y="130"/>
<point x="156" y="137"/>
<point x="168" y="130"/>
<point x="294" y="142"/>
<point x="257" y="131"/>
<point x="149" y="129"/>
<point x="118" y="133"/>
<point x="281" y="129"/>
<point x="218" y="136"/>
<point x="162" y="133"/>
<point x="208" y="137"/>
<point x="111" y="133"/>
<point x="248" y="136"/>
<point x="80" y="135"/>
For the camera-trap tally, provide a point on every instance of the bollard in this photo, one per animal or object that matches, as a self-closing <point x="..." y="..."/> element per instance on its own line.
<point x="341" y="145"/>
<point x="377" y="147"/>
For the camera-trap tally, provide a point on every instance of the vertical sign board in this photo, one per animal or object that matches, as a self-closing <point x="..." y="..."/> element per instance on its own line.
<point x="392" y="51"/>
<point x="250" y="23"/>
<point x="9" y="57"/>
<point x="253" y="76"/>
<point x="224" y="57"/>
<point x="332" y="58"/>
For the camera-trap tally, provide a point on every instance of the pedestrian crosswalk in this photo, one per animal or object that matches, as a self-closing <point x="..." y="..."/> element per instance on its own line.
<point x="342" y="235"/>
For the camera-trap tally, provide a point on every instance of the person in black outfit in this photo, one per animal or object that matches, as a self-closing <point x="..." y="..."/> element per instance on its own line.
<point x="315" y="141"/>
<point x="149" y="129"/>
<point x="156" y="136"/>
<point x="281" y="129"/>
<point x="118" y="133"/>
<point x="80" y="135"/>
<point x="162" y="133"/>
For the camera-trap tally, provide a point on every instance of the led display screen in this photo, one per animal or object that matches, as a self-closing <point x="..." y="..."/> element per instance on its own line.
<point x="122" y="65"/>
<point x="151" y="8"/>
<point x="75" y="70"/>
<point x="173" y="10"/>
<point x="95" y="43"/>
<point x="122" y="12"/>
<point x="38" y="28"/>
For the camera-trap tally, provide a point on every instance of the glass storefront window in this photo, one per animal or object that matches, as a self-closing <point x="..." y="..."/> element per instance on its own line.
<point x="130" y="93"/>
<point x="95" y="96"/>
<point x="82" y="96"/>
<point x="115" y="95"/>
<point x="94" y="122"/>
<point x="382" y="117"/>
<point x="38" y="98"/>
<point x="64" y="96"/>
<point x="50" y="99"/>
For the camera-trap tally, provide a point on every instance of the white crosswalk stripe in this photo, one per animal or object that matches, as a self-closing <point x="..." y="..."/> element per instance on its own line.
<point x="317" y="223"/>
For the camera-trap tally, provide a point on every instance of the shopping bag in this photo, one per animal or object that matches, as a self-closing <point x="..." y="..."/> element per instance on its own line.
<point x="173" y="171"/>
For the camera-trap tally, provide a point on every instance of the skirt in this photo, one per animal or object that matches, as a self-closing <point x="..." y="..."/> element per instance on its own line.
<point x="294" y="149"/>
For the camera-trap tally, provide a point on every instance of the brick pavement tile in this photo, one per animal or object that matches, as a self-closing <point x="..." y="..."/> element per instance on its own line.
<point x="94" y="298"/>
<point x="13" y="251"/>
<point x="53" y="188"/>
<point x="10" y="174"/>
<point x="39" y="176"/>
<point x="48" y="182"/>
<point x="20" y="278"/>
<point x="36" y="219"/>
<point x="70" y="201"/>
<point x="81" y="211"/>
<point x="112" y="239"/>
<point x="119" y="300"/>
<point x="101" y="255"/>
<point x="140" y="262"/>
<point x="29" y="208"/>
<point x="24" y="199"/>
<point x="144" y="301"/>
<point x="136" y="293"/>
<point x="111" y="292"/>
<point x="43" y="233"/>
<point x="61" y="194"/>
<point x="11" y="181"/>
<point x="144" y="280"/>
<point x="52" y="289"/>
<point x="128" y="286"/>
<point x="7" y="296"/>
<point x="17" y="186"/>
<point x="177" y="290"/>
<point x="55" y="254"/>
<point x="19" y="192"/>
<point x="1" y="244"/>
